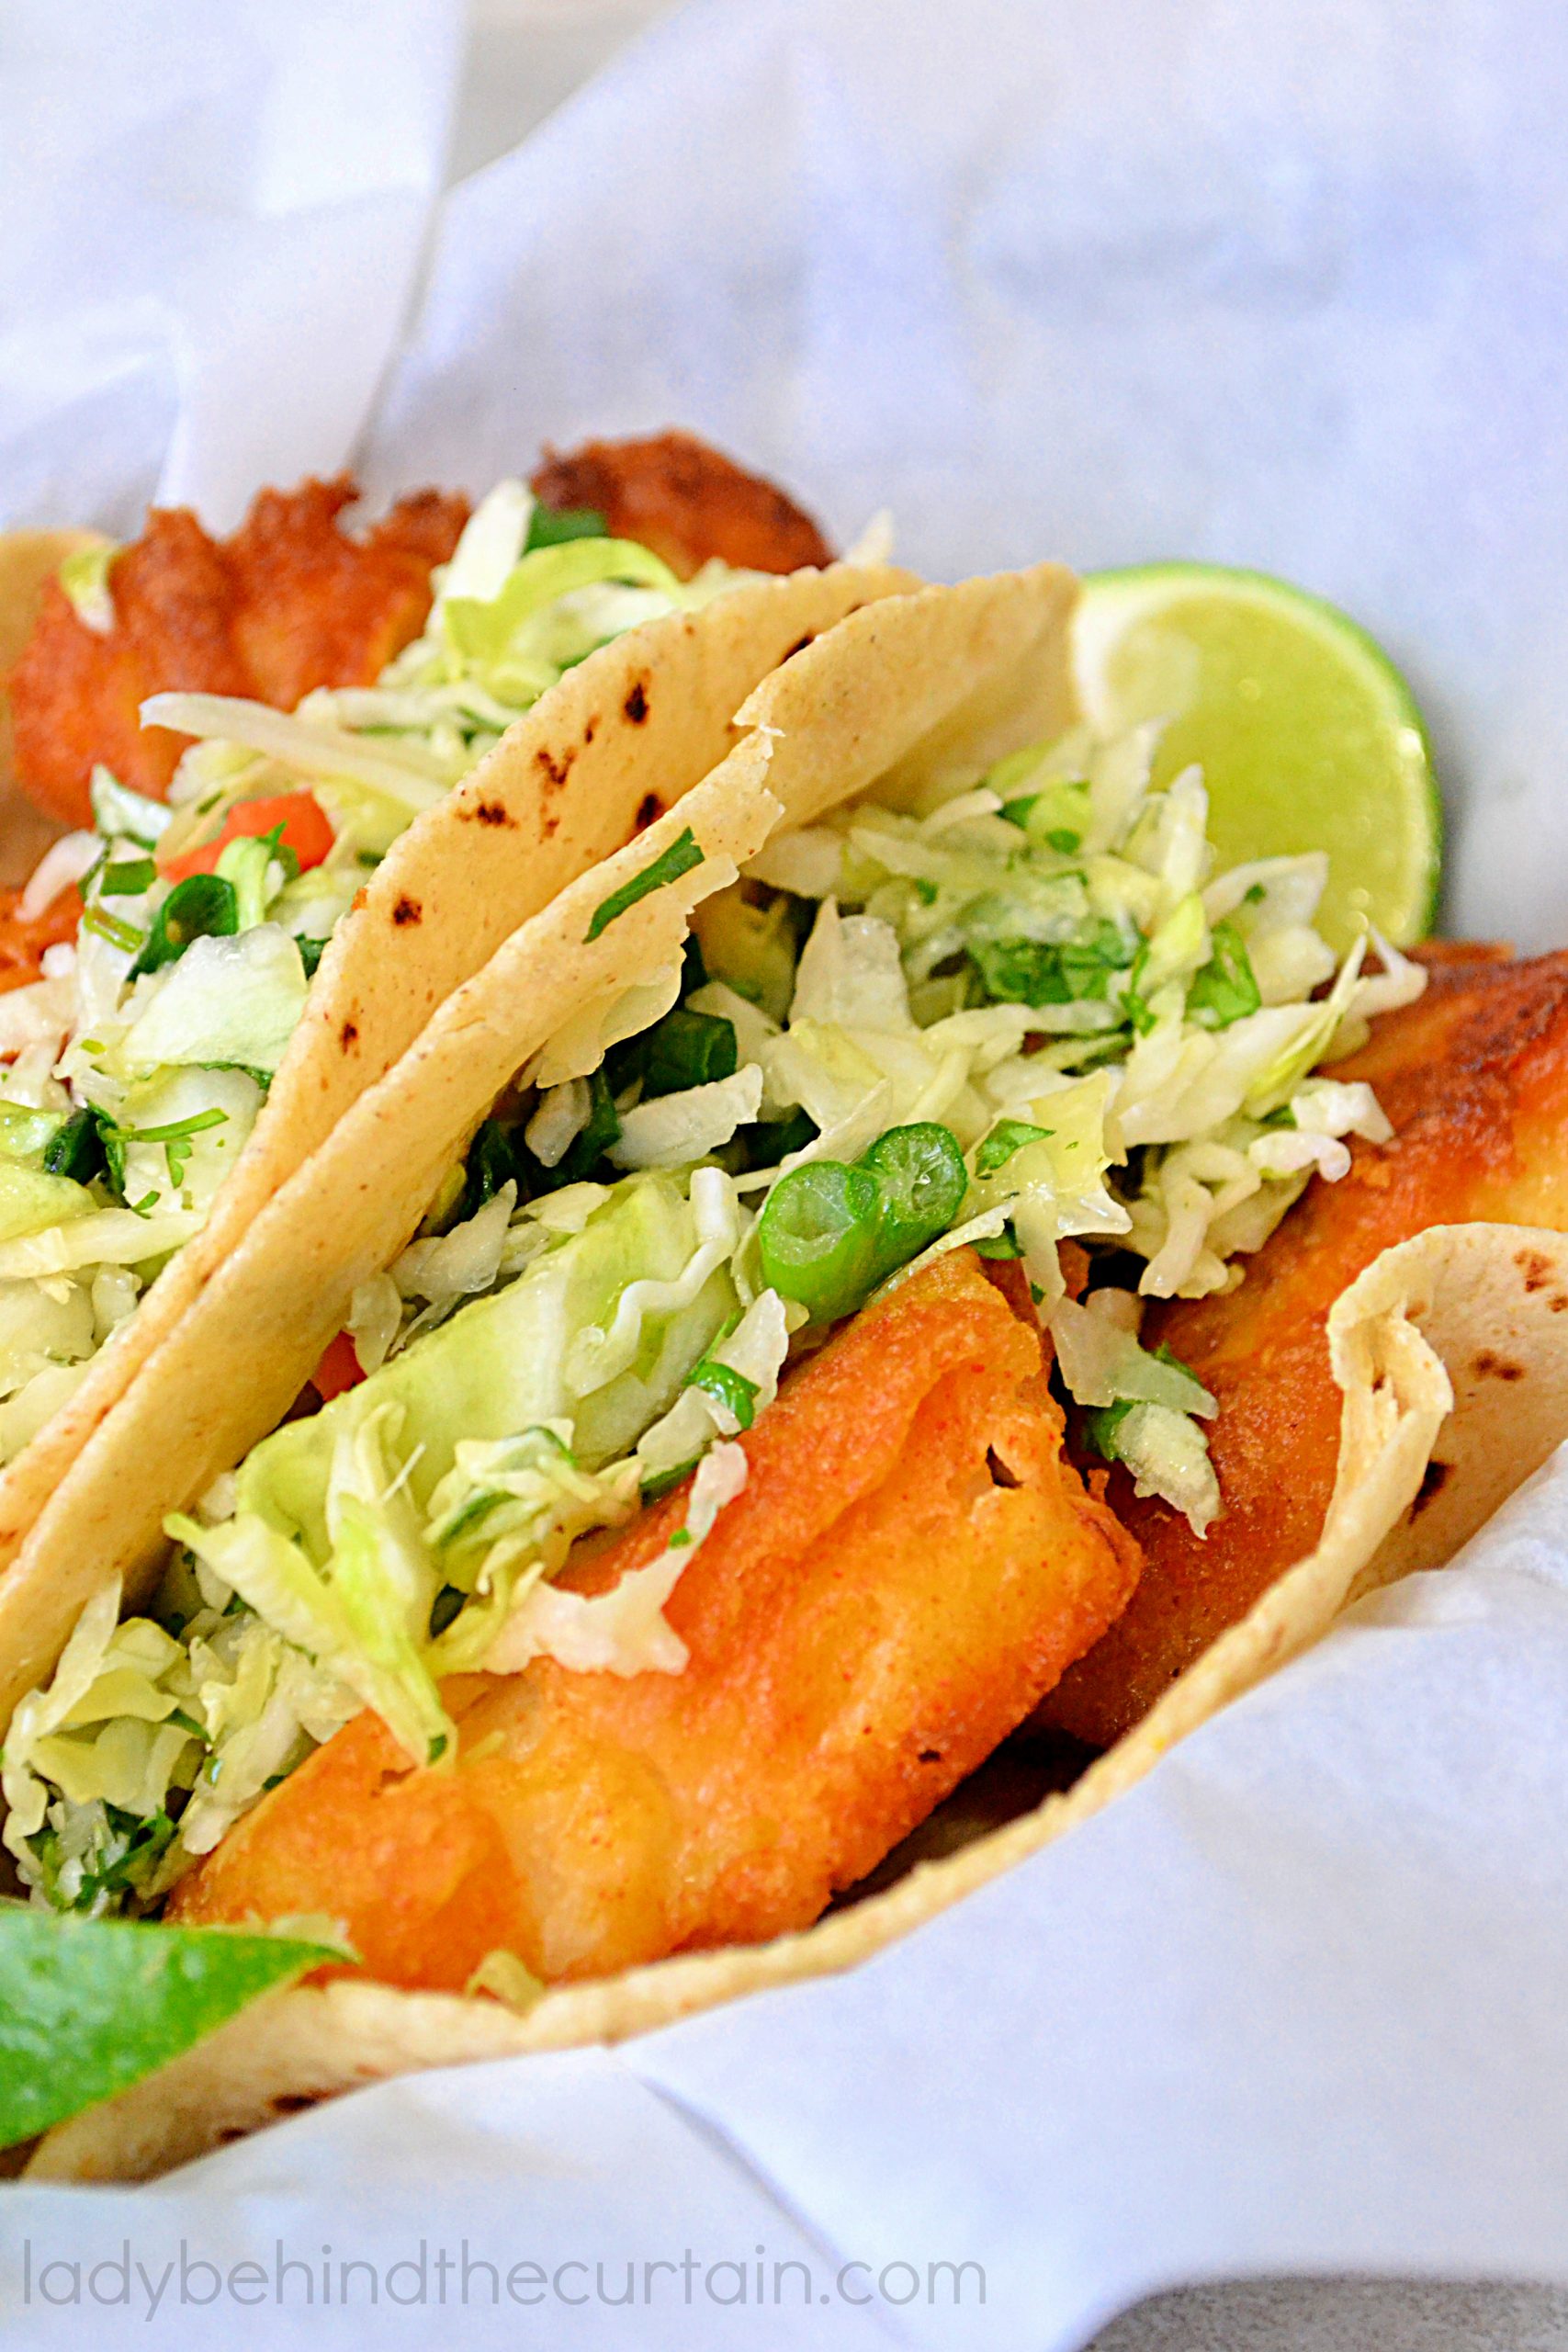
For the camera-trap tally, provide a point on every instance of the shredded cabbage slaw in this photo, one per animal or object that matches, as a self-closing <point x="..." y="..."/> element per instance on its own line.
<point x="133" y="1070"/>
<point x="1025" y="1012"/>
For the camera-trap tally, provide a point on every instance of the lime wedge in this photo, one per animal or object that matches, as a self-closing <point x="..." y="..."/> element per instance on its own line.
<point x="1306" y="733"/>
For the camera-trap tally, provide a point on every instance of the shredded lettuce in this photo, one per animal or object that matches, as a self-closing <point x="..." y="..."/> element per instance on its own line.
<point x="1120" y="1044"/>
<point x="235" y="999"/>
<point x="1167" y="1454"/>
<point x="148" y="1744"/>
<point x="676" y="1129"/>
<point x="623" y="1631"/>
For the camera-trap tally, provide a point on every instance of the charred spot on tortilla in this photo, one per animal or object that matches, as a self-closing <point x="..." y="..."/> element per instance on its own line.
<point x="683" y="853"/>
<point x="933" y="1755"/>
<point x="492" y="812"/>
<point x="1434" y="1478"/>
<point x="1488" y="1366"/>
<point x="556" y="768"/>
<point x="1536" y="1269"/>
<point x="636" y="702"/>
<point x="407" y="910"/>
<point x="348" y="1035"/>
<point x="649" y="808"/>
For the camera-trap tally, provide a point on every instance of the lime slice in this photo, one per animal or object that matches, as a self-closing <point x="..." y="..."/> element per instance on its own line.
<point x="1306" y="733"/>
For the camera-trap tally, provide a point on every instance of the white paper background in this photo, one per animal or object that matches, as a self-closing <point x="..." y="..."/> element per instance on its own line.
<point x="1279" y="285"/>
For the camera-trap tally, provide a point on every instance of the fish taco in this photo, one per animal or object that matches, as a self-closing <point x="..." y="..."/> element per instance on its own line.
<point x="312" y="779"/>
<point x="742" y="1302"/>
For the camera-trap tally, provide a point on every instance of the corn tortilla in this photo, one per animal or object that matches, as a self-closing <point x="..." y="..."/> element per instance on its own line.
<point x="622" y="736"/>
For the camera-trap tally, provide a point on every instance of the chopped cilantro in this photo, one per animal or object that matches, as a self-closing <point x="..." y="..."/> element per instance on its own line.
<point x="1006" y="1138"/>
<point x="1226" y="988"/>
<point x="661" y="1482"/>
<point x="683" y="854"/>
<point x="728" y="1387"/>
<point x="1005" y="1244"/>
<point x="549" y="527"/>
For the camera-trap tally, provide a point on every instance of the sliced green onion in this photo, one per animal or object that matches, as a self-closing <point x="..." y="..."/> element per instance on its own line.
<point x="921" y="1180"/>
<point x="684" y="1049"/>
<point x="818" y="1237"/>
<point x="681" y="855"/>
<point x="129" y="878"/>
<point x="119" y="935"/>
<point x="202" y="906"/>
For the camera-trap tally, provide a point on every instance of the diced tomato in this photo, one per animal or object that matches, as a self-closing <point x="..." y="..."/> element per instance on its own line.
<point x="339" y="1369"/>
<point x="307" y="831"/>
<point x="22" y="944"/>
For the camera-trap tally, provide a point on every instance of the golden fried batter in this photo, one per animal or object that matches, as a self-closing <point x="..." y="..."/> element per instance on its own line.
<point x="291" y="601"/>
<point x="1475" y="1078"/>
<point x="909" y="1567"/>
<point x="686" y="502"/>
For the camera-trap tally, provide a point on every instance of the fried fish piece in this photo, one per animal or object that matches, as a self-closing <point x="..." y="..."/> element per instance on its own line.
<point x="289" y="603"/>
<point x="1475" y="1078"/>
<point x="910" y="1564"/>
<point x="687" y="502"/>
<point x="292" y="601"/>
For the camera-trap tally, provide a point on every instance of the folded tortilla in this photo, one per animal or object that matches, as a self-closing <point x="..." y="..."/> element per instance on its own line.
<point x="943" y="681"/>
<point x="620" y="736"/>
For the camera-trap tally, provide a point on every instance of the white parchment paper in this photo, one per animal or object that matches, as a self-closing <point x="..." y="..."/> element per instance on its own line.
<point x="1281" y="286"/>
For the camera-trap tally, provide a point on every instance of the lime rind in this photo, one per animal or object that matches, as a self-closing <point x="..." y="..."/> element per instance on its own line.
<point x="1380" y="818"/>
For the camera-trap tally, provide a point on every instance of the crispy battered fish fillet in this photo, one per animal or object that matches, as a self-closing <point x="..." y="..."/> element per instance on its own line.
<point x="910" y="1565"/>
<point x="289" y="603"/>
<point x="1475" y="1078"/>
<point x="293" y="602"/>
<point x="686" y="502"/>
